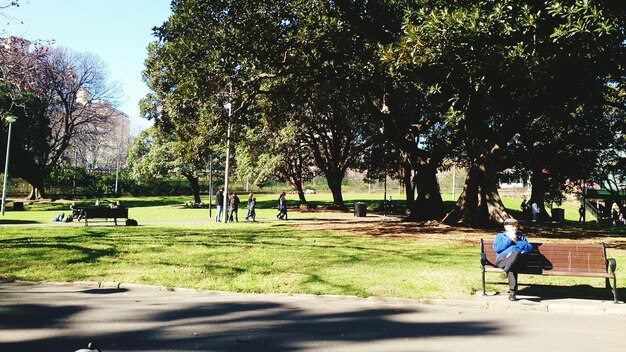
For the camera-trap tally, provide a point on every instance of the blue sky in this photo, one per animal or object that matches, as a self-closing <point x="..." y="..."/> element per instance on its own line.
<point x="117" y="31"/>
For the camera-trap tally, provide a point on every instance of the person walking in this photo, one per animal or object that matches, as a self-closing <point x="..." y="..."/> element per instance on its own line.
<point x="534" y="208"/>
<point x="219" y="201"/>
<point x="252" y="209"/>
<point x="511" y="247"/>
<point x="282" y="207"/>
<point x="233" y="206"/>
<point x="250" y="197"/>
<point x="581" y="213"/>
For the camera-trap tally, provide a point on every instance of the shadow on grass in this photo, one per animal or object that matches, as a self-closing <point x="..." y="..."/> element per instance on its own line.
<point x="18" y="222"/>
<point x="60" y="249"/>
<point x="261" y="325"/>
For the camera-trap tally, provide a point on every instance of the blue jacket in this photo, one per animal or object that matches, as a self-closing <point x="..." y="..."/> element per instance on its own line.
<point x="503" y="245"/>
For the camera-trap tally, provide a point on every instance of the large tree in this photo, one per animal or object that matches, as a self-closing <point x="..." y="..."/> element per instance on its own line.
<point x="157" y="155"/>
<point x="497" y="64"/>
<point x="291" y="54"/>
<point x="72" y="88"/>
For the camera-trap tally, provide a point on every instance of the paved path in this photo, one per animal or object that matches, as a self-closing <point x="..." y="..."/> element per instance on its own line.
<point x="54" y="317"/>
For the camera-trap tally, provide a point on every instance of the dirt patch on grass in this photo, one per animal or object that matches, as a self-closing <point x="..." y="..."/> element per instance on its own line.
<point x="393" y="228"/>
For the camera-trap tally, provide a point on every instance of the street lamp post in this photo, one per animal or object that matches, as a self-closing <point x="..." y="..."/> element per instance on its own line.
<point x="10" y="119"/>
<point x="230" y="109"/>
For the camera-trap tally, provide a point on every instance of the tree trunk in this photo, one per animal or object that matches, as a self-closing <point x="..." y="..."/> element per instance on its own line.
<point x="37" y="191"/>
<point x="195" y="187"/>
<point x="479" y="204"/>
<point x="429" y="204"/>
<point x="334" y="184"/>
<point x="408" y="186"/>
<point x="296" y="180"/>
<point x="538" y="193"/>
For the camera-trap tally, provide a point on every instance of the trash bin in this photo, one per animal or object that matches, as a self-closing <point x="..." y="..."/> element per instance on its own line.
<point x="558" y="214"/>
<point x="360" y="209"/>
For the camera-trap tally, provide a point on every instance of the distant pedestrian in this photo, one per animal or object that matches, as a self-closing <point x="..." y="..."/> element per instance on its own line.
<point x="77" y="213"/>
<point x="524" y="207"/>
<point x="233" y="207"/>
<point x="581" y="213"/>
<point x="282" y="207"/>
<point x="250" y="197"/>
<point x="534" y="208"/>
<point x="252" y="209"/>
<point x="219" y="201"/>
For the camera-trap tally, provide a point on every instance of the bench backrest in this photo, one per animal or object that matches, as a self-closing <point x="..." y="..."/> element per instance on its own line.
<point x="101" y="212"/>
<point x="558" y="257"/>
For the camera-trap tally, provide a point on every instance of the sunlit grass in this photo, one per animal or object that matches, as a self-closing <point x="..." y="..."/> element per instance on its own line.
<point x="259" y="257"/>
<point x="181" y="247"/>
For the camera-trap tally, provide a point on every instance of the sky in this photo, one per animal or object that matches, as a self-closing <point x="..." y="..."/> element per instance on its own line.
<point x="117" y="31"/>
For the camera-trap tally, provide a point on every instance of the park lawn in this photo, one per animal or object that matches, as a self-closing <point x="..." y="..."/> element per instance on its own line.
<point x="181" y="247"/>
<point x="263" y="257"/>
<point x="171" y="208"/>
<point x="242" y="257"/>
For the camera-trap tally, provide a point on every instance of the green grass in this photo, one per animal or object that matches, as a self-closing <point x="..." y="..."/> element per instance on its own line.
<point x="261" y="257"/>
<point x="267" y="256"/>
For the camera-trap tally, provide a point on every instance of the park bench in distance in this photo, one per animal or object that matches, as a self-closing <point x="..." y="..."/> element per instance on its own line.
<point x="104" y="213"/>
<point x="559" y="259"/>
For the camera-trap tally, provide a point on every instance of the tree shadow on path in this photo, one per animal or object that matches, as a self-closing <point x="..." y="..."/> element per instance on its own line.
<point x="216" y="325"/>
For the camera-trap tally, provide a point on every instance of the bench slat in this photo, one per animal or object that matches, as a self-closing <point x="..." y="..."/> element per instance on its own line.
<point x="529" y="271"/>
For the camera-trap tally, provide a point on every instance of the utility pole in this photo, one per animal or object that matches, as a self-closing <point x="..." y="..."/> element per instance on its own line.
<point x="210" y="185"/>
<point x="453" y="180"/>
<point x="10" y="119"/>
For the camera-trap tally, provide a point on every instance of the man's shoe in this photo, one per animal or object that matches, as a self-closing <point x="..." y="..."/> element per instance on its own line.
<point x="512" y="297"/>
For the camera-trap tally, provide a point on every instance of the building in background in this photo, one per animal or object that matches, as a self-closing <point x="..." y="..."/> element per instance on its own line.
<point x="100" y="145"/>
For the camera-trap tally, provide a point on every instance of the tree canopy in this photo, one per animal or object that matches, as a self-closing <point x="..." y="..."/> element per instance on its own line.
<point x="491" y="84"/>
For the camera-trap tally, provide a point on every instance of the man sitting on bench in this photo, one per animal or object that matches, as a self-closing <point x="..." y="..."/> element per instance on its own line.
<point x="510" y="248"/>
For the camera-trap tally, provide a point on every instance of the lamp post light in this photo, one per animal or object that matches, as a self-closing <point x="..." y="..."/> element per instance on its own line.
<point x="10" y="119"/>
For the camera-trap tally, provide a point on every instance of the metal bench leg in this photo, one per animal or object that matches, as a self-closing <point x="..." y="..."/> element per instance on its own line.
<point x="484" y="291"/>
<point x="613" y="288"/>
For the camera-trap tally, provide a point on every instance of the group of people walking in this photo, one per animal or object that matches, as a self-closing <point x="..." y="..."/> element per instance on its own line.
<point x="232" y="206"/>
<point x="532" y="208"/>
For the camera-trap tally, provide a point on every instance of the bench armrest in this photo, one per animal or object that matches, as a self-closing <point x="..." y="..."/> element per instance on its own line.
<point x="483" y="259"/>
<point x="611" y="265"/>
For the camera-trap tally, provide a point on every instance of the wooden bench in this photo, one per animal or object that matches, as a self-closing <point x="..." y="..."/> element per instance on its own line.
<point x="103" y="213"/>
<point x="559" y="259"/>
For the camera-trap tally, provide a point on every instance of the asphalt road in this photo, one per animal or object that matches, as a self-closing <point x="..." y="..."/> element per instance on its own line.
<point x="49" y="317"/>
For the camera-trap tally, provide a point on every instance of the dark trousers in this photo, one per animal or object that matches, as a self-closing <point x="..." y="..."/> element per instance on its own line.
<point x="510" y="265"/>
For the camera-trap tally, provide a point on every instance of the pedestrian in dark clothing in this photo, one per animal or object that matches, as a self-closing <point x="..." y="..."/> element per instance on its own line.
<point x="581" y="213"/>
<point x="252" y="209"/>
<point x="282" y="207"/>
<point x="219" y="201"/>
<point x="233" y="206"/>
<point x="250" y="197"/>
<point x="524" y="208"/>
